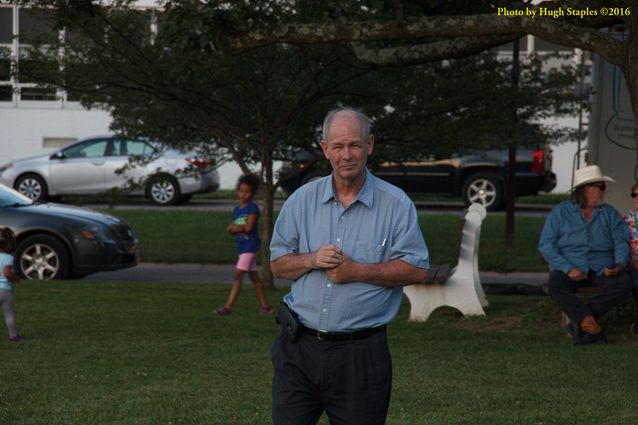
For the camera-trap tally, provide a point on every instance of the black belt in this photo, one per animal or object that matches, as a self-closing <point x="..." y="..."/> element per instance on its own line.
<point x="342" y="336"/>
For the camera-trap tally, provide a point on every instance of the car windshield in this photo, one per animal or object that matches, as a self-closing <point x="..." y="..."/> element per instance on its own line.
<point x="10" y="198"/>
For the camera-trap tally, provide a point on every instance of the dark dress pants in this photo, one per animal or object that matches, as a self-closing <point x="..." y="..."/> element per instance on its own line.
<point x="613" y="290"/>
<point x="350" y="380"/>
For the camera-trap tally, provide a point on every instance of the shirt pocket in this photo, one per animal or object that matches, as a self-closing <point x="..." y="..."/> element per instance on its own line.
<point x="365" y="252"/>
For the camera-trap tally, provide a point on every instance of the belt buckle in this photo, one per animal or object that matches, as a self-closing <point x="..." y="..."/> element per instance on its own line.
<point x="321" y="335"/>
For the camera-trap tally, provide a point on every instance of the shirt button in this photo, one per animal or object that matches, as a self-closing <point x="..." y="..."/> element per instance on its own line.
<point x="330" y="285"/>
<point x="338" y="239"/>
<point x="325" y="310"/>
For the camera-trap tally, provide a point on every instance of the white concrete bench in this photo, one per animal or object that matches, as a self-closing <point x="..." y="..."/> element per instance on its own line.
<point x="459" y="287"/>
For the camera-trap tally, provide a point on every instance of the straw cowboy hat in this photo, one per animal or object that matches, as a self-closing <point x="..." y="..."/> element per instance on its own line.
<point x="588" y="175"/>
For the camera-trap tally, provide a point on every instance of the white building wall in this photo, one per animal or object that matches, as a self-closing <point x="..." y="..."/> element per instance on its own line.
<point x="563" y="156"/>
<point x="563" y="165"/>
<point x="26" y="131"/>
<point x="29" y="131"/>
<point x="612" y="140"/>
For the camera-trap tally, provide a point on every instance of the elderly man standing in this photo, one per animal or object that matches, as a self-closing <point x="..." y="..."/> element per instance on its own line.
<point x="586" y="242"/>
<point x="349" y="242"/>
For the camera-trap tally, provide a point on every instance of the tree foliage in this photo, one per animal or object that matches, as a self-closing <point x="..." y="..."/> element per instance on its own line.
<point x="400" y="32"/>
<point x="190" y="74"/>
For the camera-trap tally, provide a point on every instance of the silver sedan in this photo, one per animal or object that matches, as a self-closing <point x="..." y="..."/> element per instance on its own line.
<point x="97" y="164"/>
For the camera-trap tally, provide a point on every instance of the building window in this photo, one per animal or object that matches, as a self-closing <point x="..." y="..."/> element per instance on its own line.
<point x="6" y="93"/>
<point x="6" y="25"/>
<point x="5" y="66"/>
<point x="33" y="23"/>
<point x="57" y="142"/>
<point x="38" y="93"/>
<point x="36" y="22"/>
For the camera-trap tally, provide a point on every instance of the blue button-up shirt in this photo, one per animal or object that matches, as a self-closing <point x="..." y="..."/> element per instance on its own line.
<point x="379" y="226"/>
<point x="568" y="240"/>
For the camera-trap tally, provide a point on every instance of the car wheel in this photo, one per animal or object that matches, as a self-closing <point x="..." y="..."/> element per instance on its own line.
<point x="163" y="190"/>
<point x="485" y="189"/>
<point x="32" y="186"/>
<point x="42" y="257"/>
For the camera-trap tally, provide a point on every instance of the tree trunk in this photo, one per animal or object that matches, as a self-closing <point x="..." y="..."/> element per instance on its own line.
<point x="268" y="193"/>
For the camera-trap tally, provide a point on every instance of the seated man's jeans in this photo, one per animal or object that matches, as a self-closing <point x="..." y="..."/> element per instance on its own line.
<point x="613" y="290"/>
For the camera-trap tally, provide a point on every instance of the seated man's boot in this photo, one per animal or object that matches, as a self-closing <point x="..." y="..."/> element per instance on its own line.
<point x="589" y="332"/>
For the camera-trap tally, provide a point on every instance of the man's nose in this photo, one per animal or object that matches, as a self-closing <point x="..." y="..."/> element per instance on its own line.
<point x="347" y="154"/>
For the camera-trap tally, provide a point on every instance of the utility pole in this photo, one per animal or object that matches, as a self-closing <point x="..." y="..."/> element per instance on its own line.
<point x="510" y="178"/>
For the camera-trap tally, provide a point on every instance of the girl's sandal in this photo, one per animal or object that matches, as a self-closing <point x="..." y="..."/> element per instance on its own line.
<point x="222" y="311"/>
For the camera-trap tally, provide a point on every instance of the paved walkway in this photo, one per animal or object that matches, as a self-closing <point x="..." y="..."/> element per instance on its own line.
<point x="525" y="283"/>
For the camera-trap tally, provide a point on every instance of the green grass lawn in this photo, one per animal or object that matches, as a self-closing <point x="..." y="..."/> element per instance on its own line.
<point x="200" y="237"/>
<point x="150" y="353"/>
<point x="114" y="197"/>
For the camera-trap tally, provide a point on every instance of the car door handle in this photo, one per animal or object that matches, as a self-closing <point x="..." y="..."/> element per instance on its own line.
<point x="97" y="162"/>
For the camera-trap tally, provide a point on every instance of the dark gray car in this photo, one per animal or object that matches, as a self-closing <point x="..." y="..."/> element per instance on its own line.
<point x="58" y="242"/>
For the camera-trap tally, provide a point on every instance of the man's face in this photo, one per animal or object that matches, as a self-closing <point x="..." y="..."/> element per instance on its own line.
<point x="345" y="148"/>
<point x="595" y="193"/>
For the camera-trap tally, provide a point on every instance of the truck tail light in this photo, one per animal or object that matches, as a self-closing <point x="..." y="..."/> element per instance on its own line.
<point x="537" y="161"/>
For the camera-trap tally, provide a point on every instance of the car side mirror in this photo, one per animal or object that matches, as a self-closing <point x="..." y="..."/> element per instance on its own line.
<point x="57" y="155"/>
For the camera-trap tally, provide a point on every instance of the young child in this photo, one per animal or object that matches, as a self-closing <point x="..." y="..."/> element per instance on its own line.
<point x="7" y="278"/>
<point x="244" y="227"/>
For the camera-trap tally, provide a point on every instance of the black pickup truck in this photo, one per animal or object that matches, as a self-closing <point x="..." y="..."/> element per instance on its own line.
<point x="476" y="176"/>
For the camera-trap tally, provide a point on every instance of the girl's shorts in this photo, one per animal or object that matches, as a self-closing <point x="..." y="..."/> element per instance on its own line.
<point x="247" y="262"/>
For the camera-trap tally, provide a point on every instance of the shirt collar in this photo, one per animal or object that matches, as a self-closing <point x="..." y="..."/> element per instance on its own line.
<point x="365" y="195"/>
<point x="575" y="208"/>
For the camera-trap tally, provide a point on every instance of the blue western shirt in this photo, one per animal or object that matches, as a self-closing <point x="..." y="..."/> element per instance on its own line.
<point x="379" y="226"/>
<point x="569" y="241"/>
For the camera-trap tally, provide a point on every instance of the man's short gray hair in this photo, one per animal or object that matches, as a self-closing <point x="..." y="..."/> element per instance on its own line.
<point x="363" y="120"/>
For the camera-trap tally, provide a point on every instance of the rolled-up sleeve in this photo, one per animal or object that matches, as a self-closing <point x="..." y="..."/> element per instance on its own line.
<point x="408" y="243"/>
<point x="548" y="244"/>
<point x="285" y="237"/>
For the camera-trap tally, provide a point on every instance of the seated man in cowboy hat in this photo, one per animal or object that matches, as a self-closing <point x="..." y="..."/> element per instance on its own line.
<point x="586" y="242"/>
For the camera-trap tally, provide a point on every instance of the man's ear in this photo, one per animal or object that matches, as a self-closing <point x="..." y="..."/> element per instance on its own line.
<point x="324" y="148"/>
<point x="370" y="144"/>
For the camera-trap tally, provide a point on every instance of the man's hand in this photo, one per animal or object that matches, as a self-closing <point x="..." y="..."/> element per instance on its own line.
<point x="344" y="272"/>
<point x="576" y="275"/>
<point x="614" y="270"/>
<point x="327" y="257"/>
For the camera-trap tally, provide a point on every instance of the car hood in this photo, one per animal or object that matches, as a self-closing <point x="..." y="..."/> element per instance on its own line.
<point x="81" y="215"/>
<point x="38" y="158"/>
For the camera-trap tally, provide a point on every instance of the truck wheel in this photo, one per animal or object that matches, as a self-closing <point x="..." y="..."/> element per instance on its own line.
<point x="42" y="257"/>
<point x="485" y="189"/>
<point x="32" y="186"/>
